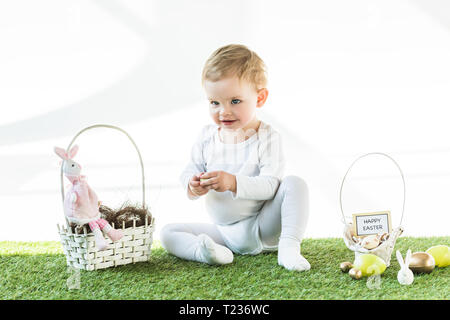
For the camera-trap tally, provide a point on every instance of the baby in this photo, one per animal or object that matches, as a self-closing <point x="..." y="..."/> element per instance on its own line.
<point x="237" y="164"/>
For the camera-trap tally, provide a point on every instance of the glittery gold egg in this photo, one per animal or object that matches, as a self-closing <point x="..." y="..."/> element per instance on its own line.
<point x="346" y="266"/>
<point x="355" y="273"/>
<point x="421" y="262"/>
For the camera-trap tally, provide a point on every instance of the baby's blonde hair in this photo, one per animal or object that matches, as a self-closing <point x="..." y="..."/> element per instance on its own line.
<point x="238" y="60"/>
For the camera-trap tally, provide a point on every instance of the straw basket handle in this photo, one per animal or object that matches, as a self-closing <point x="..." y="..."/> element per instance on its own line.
<point x="365" y="155"/>
<point x="132" y="141"/>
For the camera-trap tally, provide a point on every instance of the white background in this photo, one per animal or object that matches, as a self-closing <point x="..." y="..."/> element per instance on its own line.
<point x="345" y="78"/>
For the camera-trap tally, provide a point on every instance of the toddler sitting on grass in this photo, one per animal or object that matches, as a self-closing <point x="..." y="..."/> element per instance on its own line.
<point x="237" y="164"/>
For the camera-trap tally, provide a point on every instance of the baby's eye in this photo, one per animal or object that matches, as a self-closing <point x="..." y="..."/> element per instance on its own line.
<point x="235" y="101"/>
<point x="214" y="103"/>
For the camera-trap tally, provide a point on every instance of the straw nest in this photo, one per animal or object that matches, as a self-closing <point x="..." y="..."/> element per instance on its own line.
<point x="123" y="216"/>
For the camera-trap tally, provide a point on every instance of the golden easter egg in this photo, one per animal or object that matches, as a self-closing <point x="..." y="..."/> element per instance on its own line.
<point x="384" y="237"/>
<point x="346" y="266"/>
<point x="355" y="273"/>
<point x="370" y="242"/>
<point x="421" y="262"/>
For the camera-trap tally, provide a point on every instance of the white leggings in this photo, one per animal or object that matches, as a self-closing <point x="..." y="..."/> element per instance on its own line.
<point x="285" y="216"/>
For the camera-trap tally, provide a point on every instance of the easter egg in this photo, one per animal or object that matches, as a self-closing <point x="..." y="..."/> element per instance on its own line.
<point x="355" y="273"/>
<point x="421" y="262"/>
<point x="202" y="179"/>
<point x="441" y="255"/>
<point x="371" y="242"/>
<point x="369" y="264"/>
<point x="345" y="266"/>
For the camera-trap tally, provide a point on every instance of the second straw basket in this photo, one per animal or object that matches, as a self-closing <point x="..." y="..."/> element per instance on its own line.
<point x="135" y="245"/>
<point x="385" y="249"/>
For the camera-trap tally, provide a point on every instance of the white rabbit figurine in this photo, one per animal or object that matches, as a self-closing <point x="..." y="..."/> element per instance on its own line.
<point x="81" y="204"/>
<point x="405" y="276"/>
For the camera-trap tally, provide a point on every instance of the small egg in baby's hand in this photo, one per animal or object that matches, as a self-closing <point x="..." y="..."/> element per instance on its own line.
<point x="202" y="179"/>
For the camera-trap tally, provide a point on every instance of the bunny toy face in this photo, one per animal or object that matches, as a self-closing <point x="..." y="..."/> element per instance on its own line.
<point x="70" y="167"/>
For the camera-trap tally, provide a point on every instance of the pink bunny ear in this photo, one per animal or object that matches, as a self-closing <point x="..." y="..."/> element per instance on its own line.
<point x="73" y="151"/>
<point x="61" y="153"/>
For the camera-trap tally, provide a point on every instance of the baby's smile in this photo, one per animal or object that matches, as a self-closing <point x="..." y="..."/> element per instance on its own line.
<point x="228" y="123"/>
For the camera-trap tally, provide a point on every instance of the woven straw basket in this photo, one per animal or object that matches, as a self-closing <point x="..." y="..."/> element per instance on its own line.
<point x="135" y="245"/>
<point x="385" y="249"/>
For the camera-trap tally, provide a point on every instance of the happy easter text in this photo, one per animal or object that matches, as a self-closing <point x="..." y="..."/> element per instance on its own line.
<point x="369" y="227"/>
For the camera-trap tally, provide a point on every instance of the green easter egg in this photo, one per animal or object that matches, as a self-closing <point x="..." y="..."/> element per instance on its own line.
<point x="369" y="264"/>
<point x="441" y="255"/>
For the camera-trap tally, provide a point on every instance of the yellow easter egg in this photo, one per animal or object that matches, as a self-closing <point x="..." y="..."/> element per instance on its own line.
<point x="369" y="264"/>
<point x="441" y="255"/>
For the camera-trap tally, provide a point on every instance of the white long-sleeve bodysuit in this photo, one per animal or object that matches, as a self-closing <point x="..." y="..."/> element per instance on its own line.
<point x="262" y="210"/>
<point x="258" y="164"/>
<point x="266" y="213"/>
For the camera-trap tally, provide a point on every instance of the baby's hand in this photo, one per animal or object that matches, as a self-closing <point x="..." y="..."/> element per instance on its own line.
<point x="219" y="180"/>
<point x="195" y="188"/>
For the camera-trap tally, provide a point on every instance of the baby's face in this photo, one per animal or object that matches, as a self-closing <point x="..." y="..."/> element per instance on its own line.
<point x="233" y="103"/>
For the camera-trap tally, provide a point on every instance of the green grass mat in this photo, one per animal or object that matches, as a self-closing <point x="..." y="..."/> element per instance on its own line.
<point x="37" y="270"/>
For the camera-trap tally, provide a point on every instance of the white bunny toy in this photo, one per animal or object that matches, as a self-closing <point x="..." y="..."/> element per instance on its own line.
<point x="81" y="203"/>
<point x="405" y="276"/>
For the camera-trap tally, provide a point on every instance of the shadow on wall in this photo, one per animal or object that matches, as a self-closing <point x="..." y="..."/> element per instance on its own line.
<point x="155" y="86"/>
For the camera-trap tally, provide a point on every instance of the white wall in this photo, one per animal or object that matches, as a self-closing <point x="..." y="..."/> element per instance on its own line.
<point x="345" y="78"/>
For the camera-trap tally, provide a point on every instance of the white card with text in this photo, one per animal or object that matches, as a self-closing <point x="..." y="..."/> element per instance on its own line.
<point x="372" y="223"/>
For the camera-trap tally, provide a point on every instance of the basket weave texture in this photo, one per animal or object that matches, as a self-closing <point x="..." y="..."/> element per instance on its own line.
<point x="81" y="252"/>
<point x="135" y="246"/>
